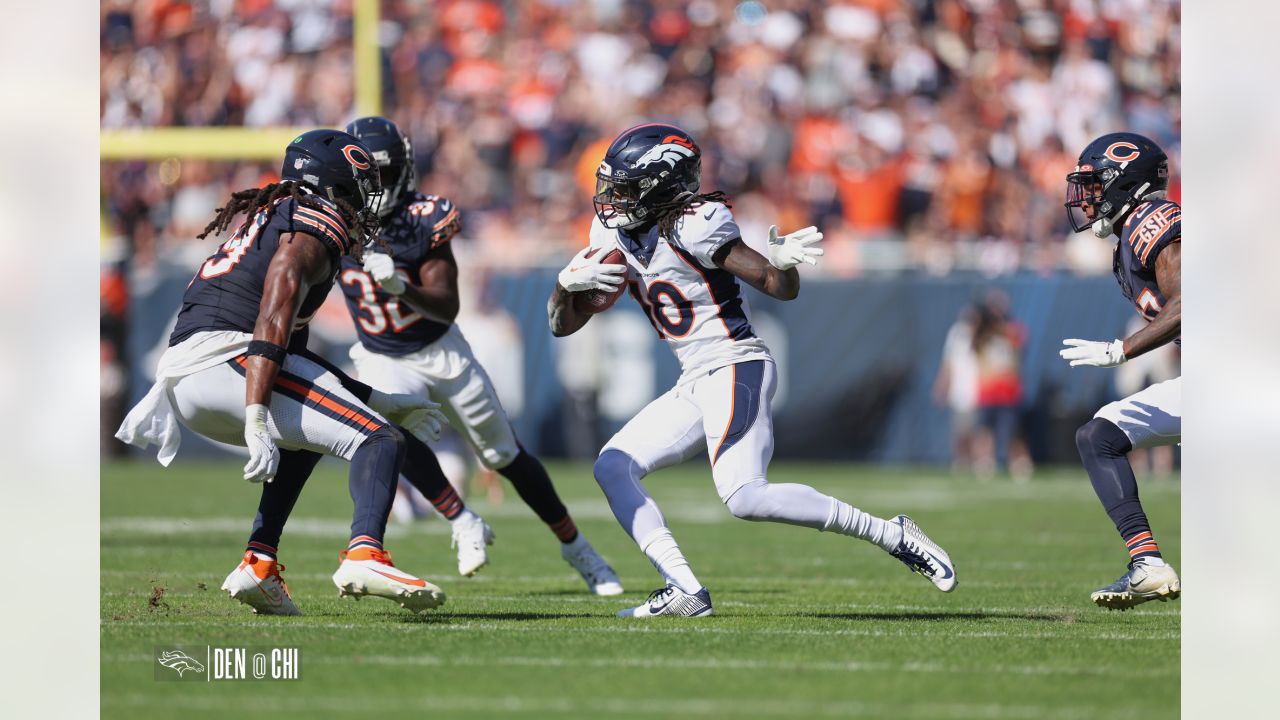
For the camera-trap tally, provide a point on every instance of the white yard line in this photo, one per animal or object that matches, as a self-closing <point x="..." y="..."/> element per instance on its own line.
<point x="445" y="623"/>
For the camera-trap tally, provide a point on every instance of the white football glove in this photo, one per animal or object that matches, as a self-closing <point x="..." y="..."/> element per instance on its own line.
<point x="414" y="413"/>
<point x="382" y="269"/>
<point x="789" y="251"/>
<point x="587" y="273"/>
<point x="264" y="456"/>
<point x="1093" y="352"/>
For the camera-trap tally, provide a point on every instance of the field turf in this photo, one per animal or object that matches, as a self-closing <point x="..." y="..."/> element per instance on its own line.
<point x="807" y="624"/>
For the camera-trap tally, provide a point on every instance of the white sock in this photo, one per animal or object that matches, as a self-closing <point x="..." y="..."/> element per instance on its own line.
<point x="465" y="517"/>
<point x="1152" y="561"/>
<point x="262" y="556"/>
<point x="664" y="553"/>
<point x="849" y="520"/>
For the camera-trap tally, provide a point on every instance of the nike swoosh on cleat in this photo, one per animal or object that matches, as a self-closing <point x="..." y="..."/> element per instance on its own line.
<point x="407" y="581"/>
<point x="946" y="568"/>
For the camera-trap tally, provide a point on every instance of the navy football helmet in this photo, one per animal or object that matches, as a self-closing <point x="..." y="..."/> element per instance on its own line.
<point x="1112" y="176"/>
<point x="647" y="171"/>
<point x="337" y="166"/>
<point x="393" y="153"/>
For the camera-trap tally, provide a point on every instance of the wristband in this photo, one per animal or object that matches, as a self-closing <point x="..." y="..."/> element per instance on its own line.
<point x="255" y="417"/>
<point x="268" y="350"/>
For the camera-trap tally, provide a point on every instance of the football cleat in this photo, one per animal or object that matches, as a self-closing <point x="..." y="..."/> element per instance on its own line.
<point x="1142" y="583"/>
<point x="257" y="583"/>
<point x="671" y="600"/>
<point x="470" y="538"/>
<point x="600" y="578"/>
<point x="924" y="556"/>
<point x="369" y="571"/>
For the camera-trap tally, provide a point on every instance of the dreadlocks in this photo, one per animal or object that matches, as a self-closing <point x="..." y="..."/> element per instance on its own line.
<point x="673" y="211"/>
<point x="250" y="200"/>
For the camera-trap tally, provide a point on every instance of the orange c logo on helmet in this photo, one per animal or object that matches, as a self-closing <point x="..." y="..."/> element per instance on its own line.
<point x="1113" y="155"/>
<point x="358" y="158"/>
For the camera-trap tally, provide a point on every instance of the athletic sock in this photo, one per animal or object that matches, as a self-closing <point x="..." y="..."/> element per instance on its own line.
<point x="422" y="470"/>
<point x="533" y="484"/>
<point x="278" y="499"/>
<point x="664" y="553"/>
<point x="1103" y="449"/>
<point x="265" y="552"/>
<point x="849" y="520"/>
<point x="375" y="470"/>
<point x="360" y="541"/>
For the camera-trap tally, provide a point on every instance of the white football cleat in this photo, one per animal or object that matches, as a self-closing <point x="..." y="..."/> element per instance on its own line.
<point x="257" y="583"/>
<point x="924" y="556"/>
<point x="1142" y="583"/>
<point x="470" y="536"/>
<point x="671" y="600"/>
<point x="600" y="578"/>
<point x="369" y="571"/>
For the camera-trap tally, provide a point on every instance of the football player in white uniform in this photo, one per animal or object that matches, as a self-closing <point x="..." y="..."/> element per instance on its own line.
<point x="685" y="257"/>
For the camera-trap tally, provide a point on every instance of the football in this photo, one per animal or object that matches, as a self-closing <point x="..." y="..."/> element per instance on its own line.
<point x="597" y="301"/>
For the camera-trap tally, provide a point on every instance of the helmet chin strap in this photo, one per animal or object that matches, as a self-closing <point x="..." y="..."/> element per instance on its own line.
<point x="1102" y="227"/>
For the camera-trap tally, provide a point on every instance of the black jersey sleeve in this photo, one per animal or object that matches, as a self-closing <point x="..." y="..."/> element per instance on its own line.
<point x="435" y="221"/>
<point x="1151" y="229"/>
<point x="321" y="221"/>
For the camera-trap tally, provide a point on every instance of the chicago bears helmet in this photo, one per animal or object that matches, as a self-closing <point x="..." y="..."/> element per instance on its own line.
<point x="393" y="154"/>
<point x="647" y="171"/>
<point x="337" y="166"/>
<point x="1111" y="177"/>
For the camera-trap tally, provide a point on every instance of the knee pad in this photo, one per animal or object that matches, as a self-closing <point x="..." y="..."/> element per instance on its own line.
<point x="748" y="501"/>
<point x="1102" y="438"/>
<point x="613" y="464"/>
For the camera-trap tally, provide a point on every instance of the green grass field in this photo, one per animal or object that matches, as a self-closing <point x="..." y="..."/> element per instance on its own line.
<point x="807" y="624"/>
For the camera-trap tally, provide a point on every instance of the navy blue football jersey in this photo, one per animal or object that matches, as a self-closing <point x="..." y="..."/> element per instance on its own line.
<point x="1151" y="227"/>
<point x="226" y="292"/>
<point x="386" y="325"/>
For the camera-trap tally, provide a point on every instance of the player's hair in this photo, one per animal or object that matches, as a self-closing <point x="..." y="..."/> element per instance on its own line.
<point x="250" y="200"/>
<point x="673" y="211"/>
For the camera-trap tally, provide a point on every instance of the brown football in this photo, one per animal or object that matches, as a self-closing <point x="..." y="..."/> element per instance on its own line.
<point x="597" y="301"/>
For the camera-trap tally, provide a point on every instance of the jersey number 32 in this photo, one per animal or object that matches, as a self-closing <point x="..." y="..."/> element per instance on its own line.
<point x="377" y="316"/>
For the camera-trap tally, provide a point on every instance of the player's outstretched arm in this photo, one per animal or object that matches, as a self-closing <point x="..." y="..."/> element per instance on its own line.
<point x="1167" y="324"/>
<point x="775" y="276"/>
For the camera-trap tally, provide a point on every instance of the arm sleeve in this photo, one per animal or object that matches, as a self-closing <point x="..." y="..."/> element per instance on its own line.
<point x="708" y="228"/>
<point x="1157" y="229"/>
<point x="321" y="222"/>
<point x="437" y="221"/>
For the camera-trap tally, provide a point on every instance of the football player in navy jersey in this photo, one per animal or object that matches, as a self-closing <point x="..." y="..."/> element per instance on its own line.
<point x="1117" y="188"/>
<point x="237" y="371"/>
<point x="403" y="303"/>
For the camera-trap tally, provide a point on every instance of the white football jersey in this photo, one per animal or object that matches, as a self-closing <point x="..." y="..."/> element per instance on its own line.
<point x="697" y="308"/>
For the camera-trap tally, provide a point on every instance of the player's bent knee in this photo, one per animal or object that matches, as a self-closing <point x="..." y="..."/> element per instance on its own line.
<point x="749" y="502"/>
<point x="497" y="457"/>
<point x="613" y="464"/>
<point x="389" y="435"/>
<point x="1101" y="438"/>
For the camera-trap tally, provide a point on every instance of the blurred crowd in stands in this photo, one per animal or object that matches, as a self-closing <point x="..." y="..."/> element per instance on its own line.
<point x="918" y="134"/>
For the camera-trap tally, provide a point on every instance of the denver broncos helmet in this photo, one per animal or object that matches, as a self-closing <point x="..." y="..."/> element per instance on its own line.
<point x="1111" y="177"/>
<point x="393" y="154"/>
<point x="337" y="166"/>
<point x="647" y="171"/>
